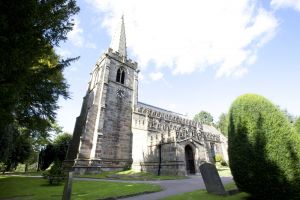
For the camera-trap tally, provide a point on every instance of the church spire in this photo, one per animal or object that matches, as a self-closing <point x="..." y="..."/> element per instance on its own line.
<point x="118" y="42"/>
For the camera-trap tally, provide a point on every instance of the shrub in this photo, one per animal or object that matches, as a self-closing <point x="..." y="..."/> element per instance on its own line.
<point x="263" y="149"/>
<point x="224" y="163"/>
<point x="55" y="175"/>
<point x="218" y="158"/>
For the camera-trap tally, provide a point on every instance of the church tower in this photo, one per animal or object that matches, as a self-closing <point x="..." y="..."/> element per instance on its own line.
<point x="102" y="137"/>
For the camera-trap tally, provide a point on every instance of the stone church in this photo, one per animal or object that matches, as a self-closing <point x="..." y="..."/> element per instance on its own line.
<point x="116" y="131"/>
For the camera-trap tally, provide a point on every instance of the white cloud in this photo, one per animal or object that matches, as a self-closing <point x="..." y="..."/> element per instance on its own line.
<point x="76" y="36"/>
<point x="286" y="3"/>
<point x="240" y="72"/>
<point x="155" y="76"/>
<point x="189" y="36"/>
<point x="63" y="52"/>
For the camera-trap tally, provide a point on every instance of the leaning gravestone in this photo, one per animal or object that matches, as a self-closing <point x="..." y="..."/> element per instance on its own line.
<point x="212" y="179"/>
<point x="68" y="187"/>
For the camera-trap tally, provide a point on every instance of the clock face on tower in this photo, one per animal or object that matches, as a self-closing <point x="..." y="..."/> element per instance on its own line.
<point x="120" y="93"/>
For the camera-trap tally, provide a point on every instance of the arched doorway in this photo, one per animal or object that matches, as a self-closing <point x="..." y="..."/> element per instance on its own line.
<point x="189" y="160"/>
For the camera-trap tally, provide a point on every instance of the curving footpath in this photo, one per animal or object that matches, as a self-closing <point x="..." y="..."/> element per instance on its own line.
<point x="170" y="187"/>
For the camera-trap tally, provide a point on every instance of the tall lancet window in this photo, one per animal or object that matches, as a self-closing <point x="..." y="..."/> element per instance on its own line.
<point x="120" y="76"/>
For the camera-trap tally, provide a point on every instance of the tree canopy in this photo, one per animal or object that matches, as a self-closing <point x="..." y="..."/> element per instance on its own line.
<point x="31" y="73"/>
<point x="204" y="117"/>
<point x="262" y="145"/>
<point x="222" y="124"/>
<point x="55" y="151"/>
<point x="297" y="125"/>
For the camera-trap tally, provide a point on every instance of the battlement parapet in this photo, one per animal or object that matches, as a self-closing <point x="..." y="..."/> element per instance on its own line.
<point x="159" y="113"/>
<point x="117" y="56"/>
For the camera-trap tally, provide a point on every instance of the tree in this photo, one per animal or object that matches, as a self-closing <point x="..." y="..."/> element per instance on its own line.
<point x="204" y="117"/>
<point x="297" y="125"/>
<point x="31" y="78"/>
<point x="55" y="152"/>
<point x="20" y="151"/>
<point x="222" y="124"/>
<point x="61" y="144"/>
<point x="47" y="156"/>
<point x="263" y="146"/>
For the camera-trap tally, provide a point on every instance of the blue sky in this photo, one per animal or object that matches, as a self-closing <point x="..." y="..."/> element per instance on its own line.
<point x="193" y="55"/>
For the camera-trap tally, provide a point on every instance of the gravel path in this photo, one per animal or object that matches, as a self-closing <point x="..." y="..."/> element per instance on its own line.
<point x="170" y="187"/>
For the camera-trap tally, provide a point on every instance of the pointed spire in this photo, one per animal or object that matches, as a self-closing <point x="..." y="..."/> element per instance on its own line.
<point x="118" y="42"/>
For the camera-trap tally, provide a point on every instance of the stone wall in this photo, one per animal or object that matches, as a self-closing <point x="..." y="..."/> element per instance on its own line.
<point x="160" y="138"/>
<point x="115" y="131"/>
<point x="104" y="125"/>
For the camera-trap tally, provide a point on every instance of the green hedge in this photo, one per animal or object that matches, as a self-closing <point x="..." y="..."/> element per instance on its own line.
<point x="263" y="149"/>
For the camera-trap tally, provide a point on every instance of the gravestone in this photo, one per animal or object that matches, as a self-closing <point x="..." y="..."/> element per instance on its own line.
<point x="68" y="187"/>
<point x="212" y="179"/>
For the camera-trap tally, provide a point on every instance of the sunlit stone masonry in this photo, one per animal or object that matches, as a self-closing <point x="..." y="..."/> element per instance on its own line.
<point x="115" y="131"/>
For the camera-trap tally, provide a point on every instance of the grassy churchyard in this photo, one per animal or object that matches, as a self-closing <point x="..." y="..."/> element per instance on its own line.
<point x="37" y="188"/>
<point x="25" y="188"/>
<point x="16" y="186"/>
<point x="202" y="194"/>
<point x="130" y="175"/>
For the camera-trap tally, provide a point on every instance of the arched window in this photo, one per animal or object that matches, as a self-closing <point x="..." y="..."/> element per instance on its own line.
<point x="120" y="76"/>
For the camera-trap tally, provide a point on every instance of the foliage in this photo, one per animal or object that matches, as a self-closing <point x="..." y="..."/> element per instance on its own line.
<point x="19" y="153"/>
<point x="55" y="152"/>
<point x="224" y="163"/>
<point x="27" y="168"/>
<point x="61" y="144"/>
<point x="218" y="158"/>
<point x="297" y="125"/>
<point x="46" y="156"/>
<point x="36" y="189"/>
<point x="2" y="167"/>
<point x="263" y="146"/>
<point x="204" y="117"/>
<point x="222" y="124"/>
<point x="31" y="78"/>
<point x="55" y="175"/>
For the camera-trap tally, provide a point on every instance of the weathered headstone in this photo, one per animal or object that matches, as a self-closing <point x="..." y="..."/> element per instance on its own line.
<point x="212" y="179"/>
<point x="68" y="187"/>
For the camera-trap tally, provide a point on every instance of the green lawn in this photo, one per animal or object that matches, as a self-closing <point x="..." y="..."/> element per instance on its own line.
<point x="223" y="170"/>
<point x="25" y="188"/>
<point x="39" y="173"/>
<point x="130" y="175"/>
<point x="202" y="194"/>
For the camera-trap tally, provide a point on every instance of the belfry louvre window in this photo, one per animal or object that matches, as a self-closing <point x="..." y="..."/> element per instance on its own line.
<point x="120" y="76"/>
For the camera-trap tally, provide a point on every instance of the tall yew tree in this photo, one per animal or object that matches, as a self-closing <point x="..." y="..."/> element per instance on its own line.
<point x="31" y="78"/>
<point x="263" y="149"/>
